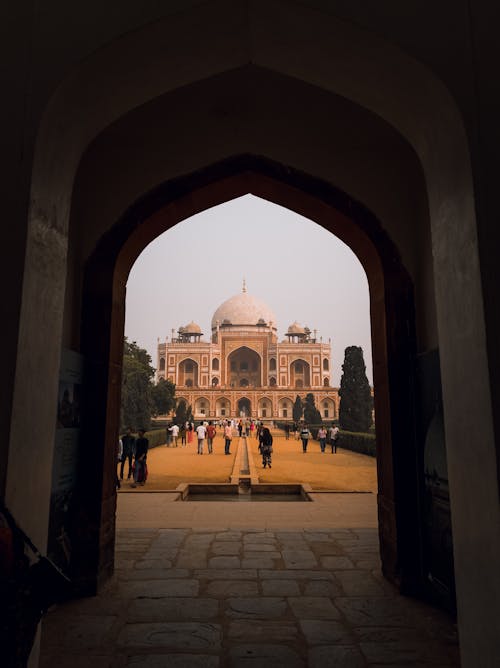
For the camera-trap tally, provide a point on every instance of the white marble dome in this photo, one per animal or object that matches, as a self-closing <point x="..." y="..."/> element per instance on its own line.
<point x="243" y="309"/>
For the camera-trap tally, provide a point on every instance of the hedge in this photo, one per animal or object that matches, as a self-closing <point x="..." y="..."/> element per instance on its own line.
<point x="363" y="443"/>
<point x="155" y="437"/>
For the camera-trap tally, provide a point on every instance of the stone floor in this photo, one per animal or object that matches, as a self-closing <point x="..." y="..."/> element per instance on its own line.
<point x="230" y="585"/>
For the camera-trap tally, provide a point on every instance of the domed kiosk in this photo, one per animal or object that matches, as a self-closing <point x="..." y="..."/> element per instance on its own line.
<point x="244" y="370"/>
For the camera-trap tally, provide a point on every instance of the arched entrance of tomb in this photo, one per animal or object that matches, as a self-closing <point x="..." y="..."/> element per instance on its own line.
<point x="222" y="407"/>
<point x="244" y="368"/>
<point x="265" y="408"/>
<point x="188" y="373"/>
<point x="244" y="408"/>
<point x="300" y="374"/>
<point x="285" y="408"/>
<point x="392" y="316"/>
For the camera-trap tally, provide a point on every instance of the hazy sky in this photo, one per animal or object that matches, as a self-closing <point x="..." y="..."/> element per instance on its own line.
<point x="299" y="269"/>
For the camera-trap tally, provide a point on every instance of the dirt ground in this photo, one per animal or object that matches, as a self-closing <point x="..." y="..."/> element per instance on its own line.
<point x="344" y="471"/>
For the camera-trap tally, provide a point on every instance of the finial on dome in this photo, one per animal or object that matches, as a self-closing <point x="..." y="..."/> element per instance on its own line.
<point x="244" y="286"/>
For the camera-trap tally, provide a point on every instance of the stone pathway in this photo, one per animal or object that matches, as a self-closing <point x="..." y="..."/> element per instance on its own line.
<point x="249" y="597"/>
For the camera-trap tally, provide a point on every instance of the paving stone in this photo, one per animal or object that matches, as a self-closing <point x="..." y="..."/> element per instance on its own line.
<point x="167" y="573"/>
<point x="313" y="607"/>
<point x="375" y="611"/>
<point x="167" y="553"/>
<point x="266" y="631"/>
<point x="190" y="559"/>
<point x="321" y="632"/>
<point x="255" y="539"/>
<point x="231" y="547"/>
<point x="80" y="631"/>
<point x="335" y="656"/>
<point x="359" y="583"/>
<point x="260" y="547"/>
<point x="280" y="588"/>
<point x="264" y="656"/>
<point x="229" y="574"/>
<point x="289" y="535"/>
<point x="334" y="563"/>
<point x="153" y="563"/>
<point x="322" y="588"/>
<point x="172" y="609"/>
<point x="299" y="559"/>
<point x="223" y="588"/>
<point x="172" y="661"/>
<point x="228" y="536"/>
<point x="199" y="540"/>
<point x="295" y="574"/>
<point x="147" y="574"/>
<point x="63" y="660"/>
<point x="224" y="562"/>
<point x="181" y="635"/>
<point x="404" y="653"/>
<point x="271" y="554"/>
<point x="160" y="588"/>
<point x="124" y="564"/>
<point x="330" y="547"/>
<point x="255" y="608"/>
<point x="316" y="536"/>
<point x="257" y="562"/>
<point x="372" y="564"/>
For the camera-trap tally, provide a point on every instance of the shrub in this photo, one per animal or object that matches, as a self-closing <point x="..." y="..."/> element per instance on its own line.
<point x="361" y="442"/>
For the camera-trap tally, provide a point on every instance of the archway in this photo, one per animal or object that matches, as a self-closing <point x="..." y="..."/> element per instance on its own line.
<point x="244" y="368"/>
<point x="188" y="373"/>
<point x="244" y="408"/>
<point x="392" y="329"/>
<point x="300" y="374"/>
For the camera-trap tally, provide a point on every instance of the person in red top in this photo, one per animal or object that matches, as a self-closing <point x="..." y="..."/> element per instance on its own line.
<point x="211" y="431"/>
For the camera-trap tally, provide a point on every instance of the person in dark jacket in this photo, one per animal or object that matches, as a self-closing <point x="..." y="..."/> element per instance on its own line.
<point x="128" y="452"/>
<point x="141" y="453"/>
<point x="266" y="446"/>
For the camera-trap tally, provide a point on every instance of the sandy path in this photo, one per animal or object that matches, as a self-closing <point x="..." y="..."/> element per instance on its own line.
<point x="168" y="467"/>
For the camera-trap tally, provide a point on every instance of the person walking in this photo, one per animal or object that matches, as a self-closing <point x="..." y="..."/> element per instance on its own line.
<point x="266" y="447"/>
<point x="240" y="428"/>
<point x="287" y="431"/>
<point x="168" y="440"/>
<point x="228" y="437"/>
<point x="175" y="435"/>
<point x="201" y="432"/>
<point x="334" y="436"/>
<point x="141" y="454"/>
<point x="183" y="435"/>
<point x="211" y="431"/>
<point x="119" y="454"/>
<point x="322" y="438"/>
<point x="305" y="435"/>
<point x="190" y="432"/>
<point x="128" y="452"/>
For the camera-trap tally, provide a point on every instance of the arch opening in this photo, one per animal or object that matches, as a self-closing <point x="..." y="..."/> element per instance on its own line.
<point x="360" y="230"/>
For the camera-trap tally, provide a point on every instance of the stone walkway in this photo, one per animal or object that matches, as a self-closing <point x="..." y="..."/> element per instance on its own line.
<point x="230" y="585"/>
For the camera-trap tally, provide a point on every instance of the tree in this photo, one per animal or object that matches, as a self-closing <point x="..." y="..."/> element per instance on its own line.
<point x="183" y="413"/>
<point x="137" y="399"/>
<point x="298" y="409"/>
<point x="163" y="394"/>
<point x="355" y="413"/>
<point x="311" y="413"/>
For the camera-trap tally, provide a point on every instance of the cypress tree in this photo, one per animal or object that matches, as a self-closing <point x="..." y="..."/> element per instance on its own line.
<point x="355" y="413"/>
<point x="298" y="409"/>
<point x="311" y="414"/>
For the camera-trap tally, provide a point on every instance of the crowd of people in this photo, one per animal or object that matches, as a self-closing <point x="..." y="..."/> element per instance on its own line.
<point x="134" y="449"/>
